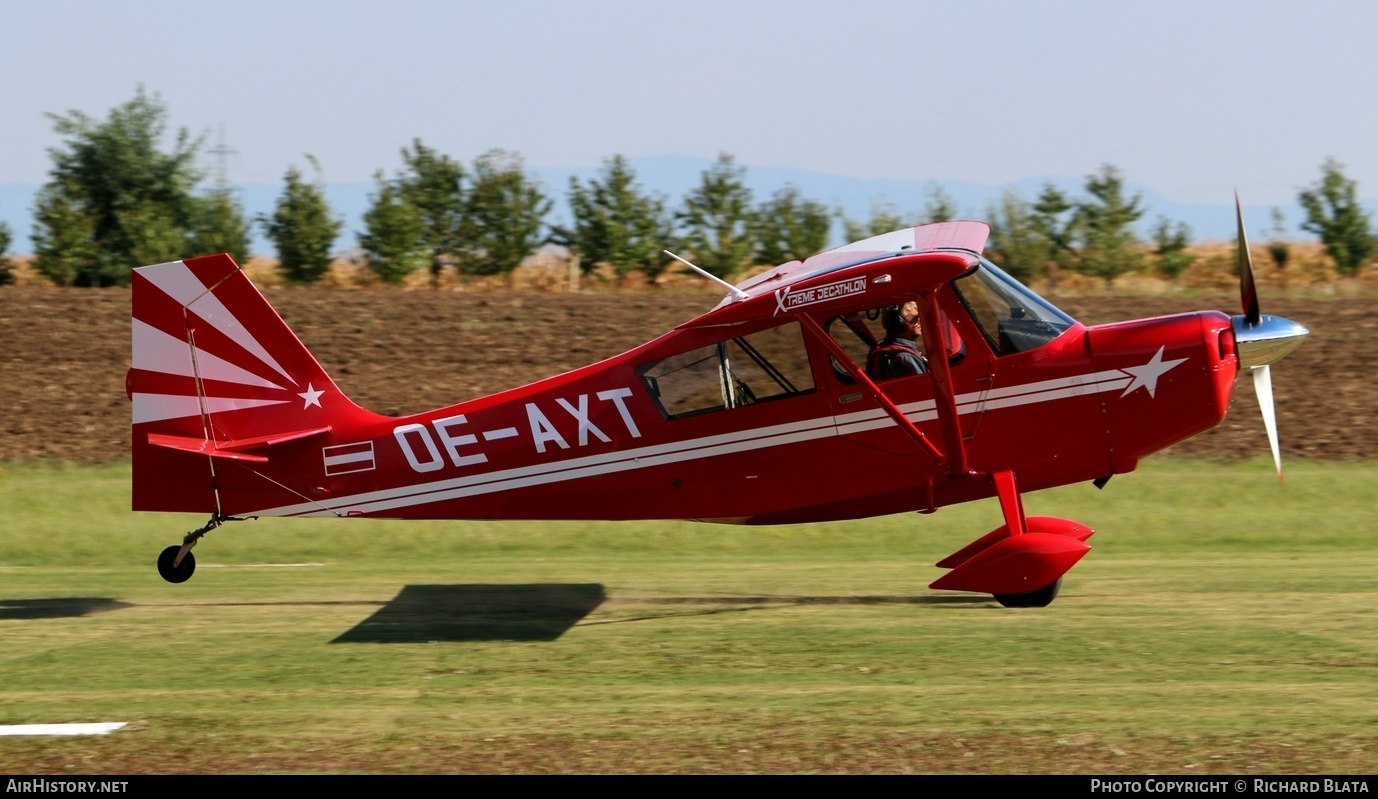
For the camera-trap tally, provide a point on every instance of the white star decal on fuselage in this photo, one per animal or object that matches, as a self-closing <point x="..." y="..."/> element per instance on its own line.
<point x="1146" y="376"/>
<point x="313" y="397"/>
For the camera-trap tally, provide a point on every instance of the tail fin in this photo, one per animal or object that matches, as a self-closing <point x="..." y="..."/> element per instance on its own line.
<point x="218" y="377"/>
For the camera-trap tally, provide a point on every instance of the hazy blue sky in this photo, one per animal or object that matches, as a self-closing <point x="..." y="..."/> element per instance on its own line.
<point x="1192" y="98"/>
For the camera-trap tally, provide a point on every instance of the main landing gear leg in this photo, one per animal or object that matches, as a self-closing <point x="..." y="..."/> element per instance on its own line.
<point x="1021" y="564"/>
<point x="1012" y="506"/>
<point x="176" y="564"/>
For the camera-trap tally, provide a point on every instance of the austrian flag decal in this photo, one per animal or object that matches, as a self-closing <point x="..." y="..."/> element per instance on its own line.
<point x="347" y="458"/>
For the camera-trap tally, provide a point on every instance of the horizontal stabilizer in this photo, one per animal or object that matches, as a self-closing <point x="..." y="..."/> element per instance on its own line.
<point x="236" y="449"/>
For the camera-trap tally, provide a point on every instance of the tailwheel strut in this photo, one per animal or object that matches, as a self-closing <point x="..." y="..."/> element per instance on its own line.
<point x="176" y="564"/>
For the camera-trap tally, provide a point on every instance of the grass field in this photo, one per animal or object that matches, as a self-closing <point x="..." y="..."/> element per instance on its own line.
<point x="1221" y="624"/>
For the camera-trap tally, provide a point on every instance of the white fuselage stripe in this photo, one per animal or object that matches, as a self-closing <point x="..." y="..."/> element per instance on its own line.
<point x="605" y="462"/>
<point x="506" y="481"/>
<point x="709" y="446"/>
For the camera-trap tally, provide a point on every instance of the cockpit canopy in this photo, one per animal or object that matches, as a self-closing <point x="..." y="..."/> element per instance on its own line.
<point x="1012" y="316"/>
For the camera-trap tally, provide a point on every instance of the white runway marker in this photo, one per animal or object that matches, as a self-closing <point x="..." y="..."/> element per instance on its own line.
<point x="96" y="728"/>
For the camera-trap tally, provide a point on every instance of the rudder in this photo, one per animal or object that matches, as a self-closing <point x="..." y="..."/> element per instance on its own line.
<point x="217" y="376"/>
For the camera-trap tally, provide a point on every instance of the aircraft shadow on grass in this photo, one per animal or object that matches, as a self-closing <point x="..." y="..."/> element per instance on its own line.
<point x="490" y="612"/>
<point x="57" y="607"/>
<point x="522" y="612"/>
<point x="545" y="611"/>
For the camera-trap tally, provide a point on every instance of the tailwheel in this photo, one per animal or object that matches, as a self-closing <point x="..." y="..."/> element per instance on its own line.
<point x="1032" y="599"/>
<point x="176" y="563"/>
<point x="179" y="573"/>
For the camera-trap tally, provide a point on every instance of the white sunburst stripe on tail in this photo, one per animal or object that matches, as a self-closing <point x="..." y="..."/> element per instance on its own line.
<point x="156" y="351"/>
<point x="176" y="280"/>
<point x="159" y="407"/>
<point x="694" y="449"/>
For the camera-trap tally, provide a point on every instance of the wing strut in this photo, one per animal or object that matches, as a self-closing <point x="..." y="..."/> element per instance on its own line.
<point x="935" y="349"/>
<point x="859" y="375"/>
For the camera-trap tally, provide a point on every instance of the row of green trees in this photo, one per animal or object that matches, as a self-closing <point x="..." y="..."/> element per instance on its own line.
<point x="115" y="200"/>
<point x="485" y="220"/>
<point x="1095" y="235"/>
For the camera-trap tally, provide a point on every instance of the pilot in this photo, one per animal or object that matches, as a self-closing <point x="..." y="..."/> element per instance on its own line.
<point x="898" y="354"/>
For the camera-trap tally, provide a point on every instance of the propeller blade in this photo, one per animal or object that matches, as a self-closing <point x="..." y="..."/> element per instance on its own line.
<point x="1247" y="292"/>
<point x="1263" y="387"/>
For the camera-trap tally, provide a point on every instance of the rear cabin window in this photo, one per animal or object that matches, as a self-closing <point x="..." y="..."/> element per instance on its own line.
<point x="857" y="334"/>
<point x="768" y="365"/>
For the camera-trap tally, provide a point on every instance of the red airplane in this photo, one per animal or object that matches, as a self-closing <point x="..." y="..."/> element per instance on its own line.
<point x="900" y="373"/>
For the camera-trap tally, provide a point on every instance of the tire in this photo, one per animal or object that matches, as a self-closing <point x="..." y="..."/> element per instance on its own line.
<point x="1033" y="599"/>
<point x="180" y="574"/>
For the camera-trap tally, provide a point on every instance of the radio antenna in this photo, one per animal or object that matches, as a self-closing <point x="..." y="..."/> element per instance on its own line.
<point x="735" y="292"/>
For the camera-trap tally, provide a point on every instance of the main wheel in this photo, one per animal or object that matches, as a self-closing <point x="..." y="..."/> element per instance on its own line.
<point x="1033" y="599"/>
<point x="179" y="574"/>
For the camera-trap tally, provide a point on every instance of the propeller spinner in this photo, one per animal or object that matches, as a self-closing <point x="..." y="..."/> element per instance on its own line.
<point x="1261" y="339"/>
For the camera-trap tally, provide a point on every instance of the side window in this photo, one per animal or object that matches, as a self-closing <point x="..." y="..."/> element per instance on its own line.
<point x="772" y="363"/>
<point x="688" y="383"/>
<point x="857" y="334"/>
<point x="766" y="365"/>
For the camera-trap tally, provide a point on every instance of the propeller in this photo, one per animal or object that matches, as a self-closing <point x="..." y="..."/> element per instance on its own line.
<point x="1260" y="340"/>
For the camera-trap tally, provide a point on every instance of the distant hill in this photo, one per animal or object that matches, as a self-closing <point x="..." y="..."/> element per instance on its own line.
<point x="674" y="176"/>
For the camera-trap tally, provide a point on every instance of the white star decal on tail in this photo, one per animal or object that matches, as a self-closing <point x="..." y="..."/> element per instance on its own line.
<point x="1146" y="376"/>
<point x="313" y="397"/>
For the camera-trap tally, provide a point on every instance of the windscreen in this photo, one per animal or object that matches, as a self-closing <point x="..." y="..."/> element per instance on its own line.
<point x="1013" y="318"/>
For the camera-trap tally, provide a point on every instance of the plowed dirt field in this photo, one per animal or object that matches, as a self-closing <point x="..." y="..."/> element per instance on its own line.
<point x="64" y="354"/>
